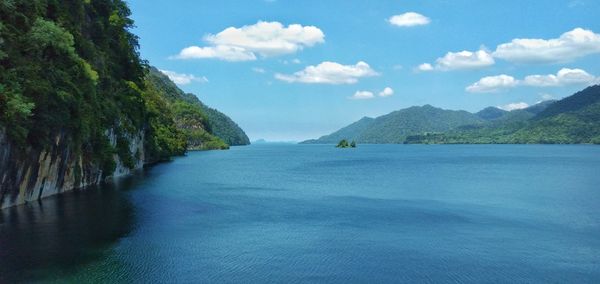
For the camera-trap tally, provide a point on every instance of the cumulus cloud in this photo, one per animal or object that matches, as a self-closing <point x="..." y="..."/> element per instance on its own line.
<point x="514" y="106"/>
<point x="462" y="60"/>
<point x="263" y="39"/>
<point x="492" y="84"/>
<point x="363" y="95"/>
<point x="293" y="61"/>
<point x="227" y="53"/>
<point x="330" y="73"/>
<point x="259" y="70"/>
<point x="386" y="92"/>
<point x="569" y="46"/>
<point x="424" y="67"/>
<point x="563" y="77"/>
<point x="183" y="79"/>
<point x="409" y="19"/>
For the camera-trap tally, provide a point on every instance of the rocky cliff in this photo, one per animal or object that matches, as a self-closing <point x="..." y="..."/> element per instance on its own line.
<point x="29" y="175"/>
<point x="77" y="103"/>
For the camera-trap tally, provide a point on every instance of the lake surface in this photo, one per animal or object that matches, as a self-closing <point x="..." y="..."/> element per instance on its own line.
<point x="313" y="213"/>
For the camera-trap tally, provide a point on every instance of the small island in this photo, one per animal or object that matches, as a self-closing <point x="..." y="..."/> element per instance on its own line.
<point x="344" y="144"/>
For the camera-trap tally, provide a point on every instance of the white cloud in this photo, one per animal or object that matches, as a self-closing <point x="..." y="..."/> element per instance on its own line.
<point x="463" y="60"/>
<point x="564" y="77"/>
<point x="330" y="73"/>
<point x="569" y="46"/>
<point x="386" y="92"/>
<point x="409" y="19"/>
<point x="362" y="95"/>
<point x="514" y="106"/>
<point x="183" y="79"/>
<point x="293" y="61"/>
<point x="424" y="67"/>
<point x="227" y="53"/>
<point x="492" y="84"/>
<point x="264" y="39"/>
<point x="259" y="70"/>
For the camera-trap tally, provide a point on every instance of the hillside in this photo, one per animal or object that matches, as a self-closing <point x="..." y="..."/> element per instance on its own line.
<point x="78" y="105"/>
<point x="199" y="122"/>
<point x="491" y="113"/>
<point x="396" y="126"/>
<point x="350" y="132"/>
<point x="572" y="120"/>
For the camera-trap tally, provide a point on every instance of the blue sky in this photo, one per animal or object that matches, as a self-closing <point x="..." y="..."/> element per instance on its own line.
<point x="293" y="70"/>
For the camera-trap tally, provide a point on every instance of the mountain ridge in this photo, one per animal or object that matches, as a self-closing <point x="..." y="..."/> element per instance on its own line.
<point x="573" y="118"/>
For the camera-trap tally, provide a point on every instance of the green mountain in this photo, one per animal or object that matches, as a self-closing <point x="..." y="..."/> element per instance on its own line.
<point x="573" y="120"/>
<point x="428" y="124"/>
<point x="396" y="126"/>
<point x="491" y="113"/>
<point x="78" y="105"/>
<point x="198" y="124"/>
<point x="350" y="132"/>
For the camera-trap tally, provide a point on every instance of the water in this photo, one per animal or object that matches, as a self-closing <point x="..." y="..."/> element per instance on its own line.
<point x="313" y="213"/>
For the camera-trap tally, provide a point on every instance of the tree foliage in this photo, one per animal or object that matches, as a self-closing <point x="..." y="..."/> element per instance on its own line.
<point x="573" y="120"/>
<point x="72" y="68"/>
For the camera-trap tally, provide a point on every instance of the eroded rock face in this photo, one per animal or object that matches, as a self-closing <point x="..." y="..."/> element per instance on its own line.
<point x="30" y="174"/>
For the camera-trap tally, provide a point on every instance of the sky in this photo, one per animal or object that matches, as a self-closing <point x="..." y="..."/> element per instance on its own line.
<point x="289" y="70"/>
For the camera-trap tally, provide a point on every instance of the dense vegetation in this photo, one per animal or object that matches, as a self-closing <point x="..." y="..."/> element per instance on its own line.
<point x="189" y="118"/>
<point x="72" y="69"/>
<point x="344" y="144"/>
<point x="573" y="120"/>
<point x="197" y="119"/>
<point x="396" y="126"/>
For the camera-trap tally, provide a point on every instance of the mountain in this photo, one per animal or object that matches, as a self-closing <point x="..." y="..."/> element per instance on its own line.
<point x="491" y="113"/>
<point x="539" y="107"/>
<point x="497" y="114"/>
<point x="206" y="120"/>
<point x="572" y="120"/>
<point x="350" y="132"/>
<point x="78" y="105"/>
<point x="396" y="126"/>
<point x="428" y="124"/>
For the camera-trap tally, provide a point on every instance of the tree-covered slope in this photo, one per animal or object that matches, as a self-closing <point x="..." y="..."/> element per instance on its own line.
<point x="70" y="67"/>
<point x="573" y="120"/>
<point x="396" y="126"/>
<point x="491" y="113"/>
<point x="205" y="119"/>
<point x="77" y="104"/>
<point x="350" y="132"/>
<point x="189" y="118"/>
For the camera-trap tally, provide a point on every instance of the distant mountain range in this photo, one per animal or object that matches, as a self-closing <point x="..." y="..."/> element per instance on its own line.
<point x="572" y="120"/>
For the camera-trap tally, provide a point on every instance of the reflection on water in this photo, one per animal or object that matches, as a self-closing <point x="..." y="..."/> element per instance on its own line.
<point x="314" y="213"/>
<point x="63" y="232"/>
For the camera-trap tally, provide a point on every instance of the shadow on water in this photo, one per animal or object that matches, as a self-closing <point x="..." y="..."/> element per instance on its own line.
<point x="64" y="232"/>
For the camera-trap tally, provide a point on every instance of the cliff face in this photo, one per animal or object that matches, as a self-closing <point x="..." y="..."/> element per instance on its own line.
<point x="78" y="105"/>
<point x="72" y="103"/>
<point x="29" y="175"/>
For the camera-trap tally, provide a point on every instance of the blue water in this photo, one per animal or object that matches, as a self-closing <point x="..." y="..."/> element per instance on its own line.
<point x="314" y="213"/>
